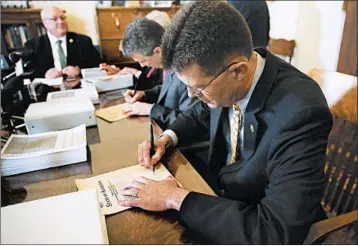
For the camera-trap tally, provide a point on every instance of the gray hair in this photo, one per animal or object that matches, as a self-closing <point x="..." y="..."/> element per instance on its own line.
<point x="142" y="36"/>
<point x="206" y="33"/>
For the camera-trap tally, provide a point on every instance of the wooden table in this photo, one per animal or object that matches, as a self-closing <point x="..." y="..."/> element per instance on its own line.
<point x="113" y="146"/>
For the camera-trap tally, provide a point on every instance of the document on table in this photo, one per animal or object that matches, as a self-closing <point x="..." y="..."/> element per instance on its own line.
<point x="110" y="185"/>
<point x="25" y="146"/>
<point x="49" y="82"/>
<point x="72" y="218"/>
<point x="114" y="113"/>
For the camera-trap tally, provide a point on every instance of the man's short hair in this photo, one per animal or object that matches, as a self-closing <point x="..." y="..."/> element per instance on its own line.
<point x="206" y="33"/>
<point x="142" y="36"/>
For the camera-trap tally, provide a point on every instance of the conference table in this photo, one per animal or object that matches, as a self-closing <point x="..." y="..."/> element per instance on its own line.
<point x="113" y="146"/>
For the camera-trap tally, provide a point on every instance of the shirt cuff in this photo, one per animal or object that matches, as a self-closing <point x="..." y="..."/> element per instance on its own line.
<point x="137" y="74"/>
<point x="150" y="109"/>
<point x="172" y="135"/>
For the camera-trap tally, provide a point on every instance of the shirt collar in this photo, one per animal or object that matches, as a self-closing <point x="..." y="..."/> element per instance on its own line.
<point x="259" y="69"/>
<point x="53" y="39"/>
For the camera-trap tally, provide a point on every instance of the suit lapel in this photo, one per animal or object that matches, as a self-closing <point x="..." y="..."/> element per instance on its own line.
<point x="48" y="60"/>
<point x="71" y="49"/>
<point x="216" y="116"/>
<point x="166" y="85"/>
<point x="257" y="102"/>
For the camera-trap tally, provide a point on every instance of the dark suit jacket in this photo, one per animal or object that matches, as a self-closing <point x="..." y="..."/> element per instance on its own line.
<point x="257" y="16"/>
<point x="171" y="99"/>
<point x="147" y="81"/>
<point x="272" y="195"/>
<point x="80" y="52"/>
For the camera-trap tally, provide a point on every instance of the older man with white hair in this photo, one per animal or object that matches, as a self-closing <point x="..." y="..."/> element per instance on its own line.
<point x="60" y="52"/>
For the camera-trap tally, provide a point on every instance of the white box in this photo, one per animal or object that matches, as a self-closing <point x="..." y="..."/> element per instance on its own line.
<point x="92" y="73"/>
<point x="112" y="82"/>
<point x="56" y="115"/>
<point x="89" y="92"/>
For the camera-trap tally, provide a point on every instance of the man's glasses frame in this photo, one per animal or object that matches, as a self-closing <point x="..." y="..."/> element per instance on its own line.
<point x="62" y="17"/>
<point x="199" y="92"/>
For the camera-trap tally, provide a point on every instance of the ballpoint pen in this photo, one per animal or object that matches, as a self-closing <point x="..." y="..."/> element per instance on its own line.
<point x="152" y="150"/>
<point x="135" y="88"/>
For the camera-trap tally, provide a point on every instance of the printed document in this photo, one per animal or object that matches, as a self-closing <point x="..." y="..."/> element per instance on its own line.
<point x="110" y="185"/>
<point x="24" y="146"/>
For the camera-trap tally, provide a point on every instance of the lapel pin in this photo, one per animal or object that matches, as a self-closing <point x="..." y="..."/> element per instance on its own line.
<point x="71" y="40"/>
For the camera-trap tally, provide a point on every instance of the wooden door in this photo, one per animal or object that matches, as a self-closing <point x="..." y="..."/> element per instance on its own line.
<point x="347" y="62"/>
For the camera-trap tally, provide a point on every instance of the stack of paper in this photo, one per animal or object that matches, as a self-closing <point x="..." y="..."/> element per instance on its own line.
<point x="114" y="113"/>
<point x="72" y="218"/>
<point x="26" y="153"/>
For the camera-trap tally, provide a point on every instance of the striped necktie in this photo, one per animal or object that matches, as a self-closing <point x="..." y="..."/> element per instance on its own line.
<point x="61" y="54"/>
<point x="235" y="133"/>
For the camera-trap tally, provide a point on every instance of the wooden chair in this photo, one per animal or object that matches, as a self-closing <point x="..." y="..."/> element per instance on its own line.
<point x="341" y="169"/>
<point x="342" y="230"/>
<point x="282" y="48"/>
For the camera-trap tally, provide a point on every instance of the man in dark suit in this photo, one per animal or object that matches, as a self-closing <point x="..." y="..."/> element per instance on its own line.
<point x="268" y="123"/>
<point x="257" y="16"/>
<point x="60" y="52"/>
<point x="165" y="102"/>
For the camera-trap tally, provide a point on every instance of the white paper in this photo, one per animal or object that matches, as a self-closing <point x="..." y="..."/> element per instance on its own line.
<point x="72" y="218"/>
<point x="49" y="82"/>
<point x="110" y="185"/>
<point x="25" y="146"/>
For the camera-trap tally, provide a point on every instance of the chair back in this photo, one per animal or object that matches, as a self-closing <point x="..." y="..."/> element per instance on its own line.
<point x="282" y="48"/>
<point x="341" y="169"/>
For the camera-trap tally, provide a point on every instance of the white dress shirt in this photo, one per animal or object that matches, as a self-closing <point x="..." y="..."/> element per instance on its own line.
<point x="243" y="104"/>
<point x="56" y="57"/>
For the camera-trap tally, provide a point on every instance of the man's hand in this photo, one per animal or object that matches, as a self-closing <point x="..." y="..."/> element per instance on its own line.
<point x="144" y="157"/>
<point x="131" y="98"/>
<point x="138" y="108"/>
<point x="128" y="70"/>
<point x="154" y="195"/>
<point x="71" y="71"/>
<point x="53" y="73"/>
<point x="110" y="69"/>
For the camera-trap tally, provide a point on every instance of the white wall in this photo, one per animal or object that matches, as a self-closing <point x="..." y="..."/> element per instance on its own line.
<point x="82" y="16"/>
<point x="317" y="27"/>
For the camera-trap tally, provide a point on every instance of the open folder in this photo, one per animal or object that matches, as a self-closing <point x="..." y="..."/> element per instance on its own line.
<point x="72" y="218"/>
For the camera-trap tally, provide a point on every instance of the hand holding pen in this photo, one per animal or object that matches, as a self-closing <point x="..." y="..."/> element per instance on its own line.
<point x="132" y="96"/>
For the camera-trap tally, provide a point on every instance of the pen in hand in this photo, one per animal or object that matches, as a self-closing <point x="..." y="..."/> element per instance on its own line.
<point x="152" y="150"/>
<point x="135" y="88"/>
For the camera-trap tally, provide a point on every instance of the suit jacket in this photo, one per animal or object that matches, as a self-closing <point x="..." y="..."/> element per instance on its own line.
<point x="170" y="100"/>
<point x="80" y="52"/>
<point x="257" y="16"/>
<point x="148" y="79"/>
<point x="272" y="195"/>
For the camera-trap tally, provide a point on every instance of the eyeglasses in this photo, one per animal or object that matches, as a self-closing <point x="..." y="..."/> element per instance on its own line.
<point x="62" y="17"/>
<point x="199" y="92"/>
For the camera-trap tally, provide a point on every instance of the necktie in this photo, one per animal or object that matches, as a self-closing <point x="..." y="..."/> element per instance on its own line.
<point x="61" y="54"/>
<point x="235" y="133"/>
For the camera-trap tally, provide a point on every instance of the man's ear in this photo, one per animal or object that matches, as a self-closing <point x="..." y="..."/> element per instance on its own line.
<point x="157" y="51"/>
<point x="240" y="70"/>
